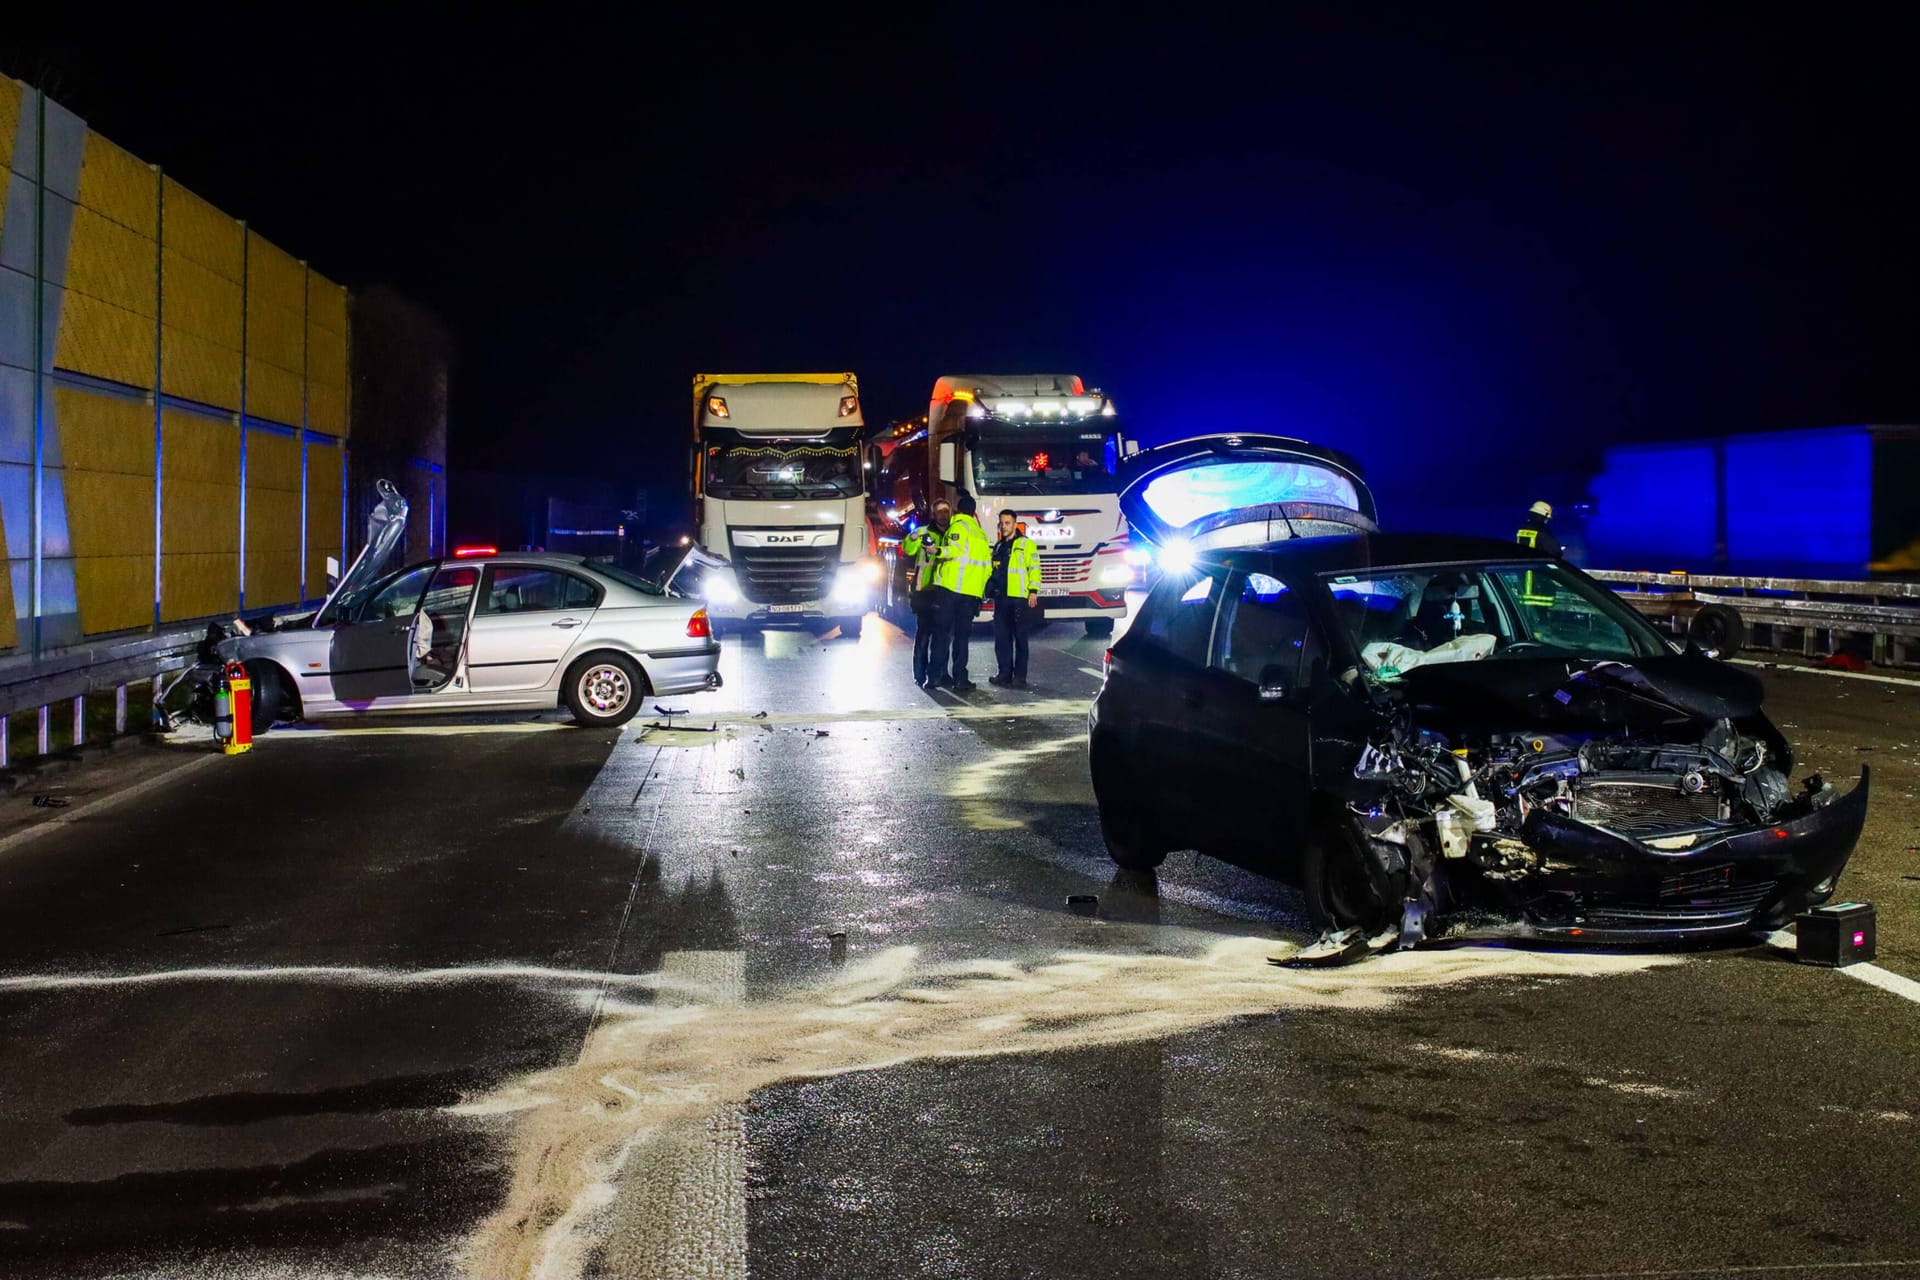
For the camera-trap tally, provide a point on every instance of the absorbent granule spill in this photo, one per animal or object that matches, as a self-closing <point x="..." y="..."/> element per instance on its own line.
<point x="651" y="1073"/>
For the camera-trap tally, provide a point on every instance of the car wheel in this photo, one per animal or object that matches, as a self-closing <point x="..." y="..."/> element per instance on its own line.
<point x="1099" y="626"/>
<point x="1133" y="839"/>
<point x="1333" y="876"/>
<point x="1720" y="628"/>
<point x="270" y="700"/>
<point x="604" y="690"/>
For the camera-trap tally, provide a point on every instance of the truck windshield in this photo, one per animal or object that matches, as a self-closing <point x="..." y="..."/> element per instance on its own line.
<point x="780" y="470"/>
<point x="1042" y="463"/>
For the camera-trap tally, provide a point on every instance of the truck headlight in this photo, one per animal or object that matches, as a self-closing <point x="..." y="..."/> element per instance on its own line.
<point x="1116" y="575"/>
<point x="720" y="588"/>
<point x="851" y="584"/>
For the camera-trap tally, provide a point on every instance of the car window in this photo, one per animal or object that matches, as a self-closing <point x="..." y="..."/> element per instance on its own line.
<point x="451" y="590"/>
<point x="1184" y="625"/>
<point x="399" y="598"/>
<point x="1262" y="625"/>
<point x="581" y="594"/>
<point x="1556" y="611"/>
<point x="525" y="589"/>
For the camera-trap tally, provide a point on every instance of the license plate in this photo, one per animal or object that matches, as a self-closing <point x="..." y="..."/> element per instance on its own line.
<point x="1055" y="591"/>
<point x="786" y="608"/>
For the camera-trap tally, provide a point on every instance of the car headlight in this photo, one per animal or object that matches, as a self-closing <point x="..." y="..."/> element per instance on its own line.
<point x="851" y="584"/>
<point x="1176" y="557"/>
<point x="1116" y="575"/>
<point x="720" y="588"/>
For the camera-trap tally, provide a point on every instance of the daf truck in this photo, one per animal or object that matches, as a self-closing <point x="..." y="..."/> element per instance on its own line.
<point x="779" y="499"/>
<point x="1042" y="446"/>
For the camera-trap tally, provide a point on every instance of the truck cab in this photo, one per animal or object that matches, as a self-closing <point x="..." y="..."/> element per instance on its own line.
<point x="780" y="499"/>
<point x="1047" y="449"/>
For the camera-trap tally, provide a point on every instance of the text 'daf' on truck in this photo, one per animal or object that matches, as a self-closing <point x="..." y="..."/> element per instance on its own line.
<point x="778" y="491"/>
<point x="1042" y="446"/>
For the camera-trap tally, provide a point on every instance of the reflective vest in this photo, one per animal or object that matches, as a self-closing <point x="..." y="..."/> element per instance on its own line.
<point x="966" y="558"/>
<point x="1535" y="595"/>
<point x="923" y="547"/>
<point x="1023" y="568"/>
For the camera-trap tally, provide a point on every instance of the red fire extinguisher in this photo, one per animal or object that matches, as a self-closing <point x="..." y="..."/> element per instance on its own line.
<point x="233" y="710"/>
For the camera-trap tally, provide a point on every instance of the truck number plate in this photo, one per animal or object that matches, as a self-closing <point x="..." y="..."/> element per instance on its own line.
<point x="1055" y="591"/>
<point x="786" y="608"/>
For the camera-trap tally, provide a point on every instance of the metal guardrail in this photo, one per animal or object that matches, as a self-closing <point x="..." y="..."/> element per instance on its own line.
<point x="1818" y="612"/>
<point x="65" y="678"/>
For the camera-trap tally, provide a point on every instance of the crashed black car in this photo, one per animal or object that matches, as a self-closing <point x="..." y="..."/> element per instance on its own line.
<point x="1436" y="735"/>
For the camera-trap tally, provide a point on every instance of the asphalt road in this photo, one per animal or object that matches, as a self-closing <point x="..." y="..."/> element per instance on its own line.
<point x="800" y="994"/>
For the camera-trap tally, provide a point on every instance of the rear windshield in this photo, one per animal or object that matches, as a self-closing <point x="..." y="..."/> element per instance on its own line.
<point x="625" y="577"/>
<point x="1192" y="493"/>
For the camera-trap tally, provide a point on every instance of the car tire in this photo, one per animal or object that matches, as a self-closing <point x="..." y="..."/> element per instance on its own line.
<point x="1333" y="877"/>
<point x="604" y="690"/>
<point x="1720" y="628"/>
<point x="1132" y="838"/>
<point x="1099" y="626"/>
<point x="270" y="699"/>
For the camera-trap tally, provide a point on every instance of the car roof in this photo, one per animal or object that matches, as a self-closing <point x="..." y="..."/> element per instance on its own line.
<point x="520" y="557"/>
<point x="1368" y="551"/>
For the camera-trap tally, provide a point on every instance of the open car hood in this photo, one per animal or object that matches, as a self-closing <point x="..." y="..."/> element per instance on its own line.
<point x="1242" y="490"/>
<point x="386" y="525"/>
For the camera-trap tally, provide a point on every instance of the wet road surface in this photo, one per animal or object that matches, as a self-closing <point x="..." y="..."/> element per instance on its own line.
<point x="790" y="987"/>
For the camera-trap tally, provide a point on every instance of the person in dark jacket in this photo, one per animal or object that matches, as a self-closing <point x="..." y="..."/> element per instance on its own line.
<point x="1535" y="533"/>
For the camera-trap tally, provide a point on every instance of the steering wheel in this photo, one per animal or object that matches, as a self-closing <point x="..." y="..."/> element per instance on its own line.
<point x="1524" y="644"/>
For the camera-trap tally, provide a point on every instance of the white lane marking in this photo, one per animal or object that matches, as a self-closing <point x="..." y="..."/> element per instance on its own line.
<point x="66" y="817"/>
<point x="1096" y="673"/>
<point x="1826" y="671"/>
<point x="350" y="975"/>
<point x="1871" y="974"/>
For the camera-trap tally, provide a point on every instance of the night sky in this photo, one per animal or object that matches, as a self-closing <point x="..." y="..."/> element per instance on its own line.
<point x="1459" y="243"/>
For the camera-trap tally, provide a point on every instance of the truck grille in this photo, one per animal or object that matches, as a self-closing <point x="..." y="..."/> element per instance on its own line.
<point x="1643" y="806"/>
<point x="1066" y="571"/>
<point x="785" y="575"/>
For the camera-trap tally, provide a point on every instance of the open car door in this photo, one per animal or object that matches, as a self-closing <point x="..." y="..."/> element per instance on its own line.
<point x="1242" y="490"/>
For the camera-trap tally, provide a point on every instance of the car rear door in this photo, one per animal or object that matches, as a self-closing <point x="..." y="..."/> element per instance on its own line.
<point x="1171" y="690"/>
<point x="526" y="622"/>
<point x="1254" y="740"/>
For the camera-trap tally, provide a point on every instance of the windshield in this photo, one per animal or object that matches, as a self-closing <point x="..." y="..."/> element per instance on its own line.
<point x="782" y="470"/>
<point x="1041" y="462"/>
<point x="1403" y="618"/>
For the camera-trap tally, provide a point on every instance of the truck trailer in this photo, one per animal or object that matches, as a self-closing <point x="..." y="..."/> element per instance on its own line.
<point x="778" y="498"/>
<point x="1042" y="446"/>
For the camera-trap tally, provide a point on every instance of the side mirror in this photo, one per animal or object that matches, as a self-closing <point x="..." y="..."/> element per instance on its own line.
<point x="1130" y="448"/>
<point x="1273" y="683"/>
<point x="950" y="463"/>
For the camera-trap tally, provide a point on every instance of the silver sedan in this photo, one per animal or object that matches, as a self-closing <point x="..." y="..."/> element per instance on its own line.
<point x="493" y="632"/>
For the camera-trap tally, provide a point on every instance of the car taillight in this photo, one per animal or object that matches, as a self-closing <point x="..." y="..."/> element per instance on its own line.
<point x="698" y="628"/>
<point x="1107" y="659"/>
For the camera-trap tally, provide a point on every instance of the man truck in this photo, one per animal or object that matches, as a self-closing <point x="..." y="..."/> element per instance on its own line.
<point x="1042" y="446"/>
<point x="778" y="499"/>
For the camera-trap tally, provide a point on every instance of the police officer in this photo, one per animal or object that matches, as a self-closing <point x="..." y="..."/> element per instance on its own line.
<point x="1014" y="587"/>
<point x="1534" y="533"/>
<point x="966" y="558"/>
<point x="922" y="549"/>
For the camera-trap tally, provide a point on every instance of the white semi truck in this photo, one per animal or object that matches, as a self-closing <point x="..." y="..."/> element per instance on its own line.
<point x="779" y="497"/>
<point x="1042" y="446"/>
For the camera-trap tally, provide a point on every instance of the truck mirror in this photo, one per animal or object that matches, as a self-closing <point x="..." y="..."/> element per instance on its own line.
<point x="1130" y="448"/>
<point x="950" y="463"/>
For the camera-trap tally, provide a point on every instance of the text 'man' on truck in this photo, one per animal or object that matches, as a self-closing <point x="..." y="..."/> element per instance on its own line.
<point x="1042" y="446"/>
<point x="778" y="496"/>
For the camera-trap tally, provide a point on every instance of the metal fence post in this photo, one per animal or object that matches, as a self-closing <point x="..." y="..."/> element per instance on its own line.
<point x="6" y="743"/>
<point x="119" y="709"/>
<point x="45" y="736"/>
<point x="79" y="719"/>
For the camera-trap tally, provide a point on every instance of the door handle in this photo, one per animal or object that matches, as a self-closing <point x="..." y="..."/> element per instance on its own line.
<point x="567" y="622"/>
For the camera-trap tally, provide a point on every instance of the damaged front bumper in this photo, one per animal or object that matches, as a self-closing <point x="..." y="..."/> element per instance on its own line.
<point x="1597" y="885"/>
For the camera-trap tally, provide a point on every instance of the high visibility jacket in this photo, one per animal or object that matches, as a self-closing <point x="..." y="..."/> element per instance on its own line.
<point x="966" y="558"/>
<point x="1023" y="566"/>
<point x="922" y="546"/>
